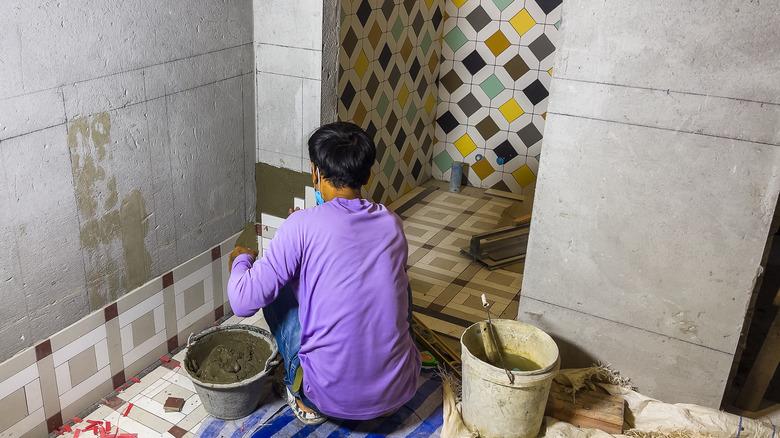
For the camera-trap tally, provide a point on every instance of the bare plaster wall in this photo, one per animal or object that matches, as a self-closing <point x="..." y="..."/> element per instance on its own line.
<point x="658" y="178"/>
<point x="127" y="144"/>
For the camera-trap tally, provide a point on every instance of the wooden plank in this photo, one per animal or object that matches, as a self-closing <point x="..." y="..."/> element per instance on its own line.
<point x="588" y="408"/>
<point x="503" y="194"/>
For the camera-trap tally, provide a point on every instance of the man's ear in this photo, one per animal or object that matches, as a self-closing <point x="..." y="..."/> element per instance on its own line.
<point x="313" y="175"/>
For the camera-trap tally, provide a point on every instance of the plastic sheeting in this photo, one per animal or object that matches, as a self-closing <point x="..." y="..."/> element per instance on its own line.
<point x="645" y="417"/>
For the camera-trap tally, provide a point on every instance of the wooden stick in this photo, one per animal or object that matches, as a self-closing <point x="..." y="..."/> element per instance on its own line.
<point x="487" y="341"/>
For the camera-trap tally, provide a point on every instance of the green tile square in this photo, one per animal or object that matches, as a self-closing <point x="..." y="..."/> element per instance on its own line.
<point x="502" y="4"/>
<point x="443" y="161"/>
<point x="492" y="86"/>
<point x="558" y="24"/>
<point x="425" y="44"/>
<point x="398" y="27"/>
<point x="455" y="39"/>
<point x="381" y="106"/>
<point x="411" y="113"/>
<point x="389" y="166"/>
<point x="343" y="16"/>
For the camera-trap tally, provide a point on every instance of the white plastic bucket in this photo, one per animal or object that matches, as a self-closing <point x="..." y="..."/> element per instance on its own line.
<point x="492" y="405"/>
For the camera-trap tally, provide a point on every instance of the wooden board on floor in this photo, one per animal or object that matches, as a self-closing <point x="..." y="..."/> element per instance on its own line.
<point x="503" y="194"/>
<point x="588" y="408"/>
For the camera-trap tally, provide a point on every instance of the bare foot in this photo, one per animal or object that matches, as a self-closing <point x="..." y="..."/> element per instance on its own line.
<point x="303" y="407"/>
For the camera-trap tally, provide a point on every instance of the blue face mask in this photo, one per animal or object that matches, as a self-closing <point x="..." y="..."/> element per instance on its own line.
<point x="317" y="193"/>
<point x="318" y="197"/>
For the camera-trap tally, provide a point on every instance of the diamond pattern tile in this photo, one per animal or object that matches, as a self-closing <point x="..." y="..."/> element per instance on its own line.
<point x="495" y="73"/>
<point x="473" y="62"/>
<point x="388" y="72"/>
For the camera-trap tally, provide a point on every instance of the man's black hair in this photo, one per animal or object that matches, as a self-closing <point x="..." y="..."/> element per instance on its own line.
<point x="344" y="154"/>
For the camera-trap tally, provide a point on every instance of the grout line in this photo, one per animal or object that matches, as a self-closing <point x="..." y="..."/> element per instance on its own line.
<point x="629" y="325"/>
<point x="126" y="71"/>
<point x="666" y="129"/>
<point x="668" y="91"/>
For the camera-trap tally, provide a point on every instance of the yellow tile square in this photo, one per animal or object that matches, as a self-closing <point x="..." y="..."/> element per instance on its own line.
<point x="361" y="65"/>
<point x="483" y="169"/>
<point x="497" y="43"/>
<point x="430" y="104"/>
<point x="370" y="180"/>
<point x="524" y="175"/>
<point x="407" y="189"/>
<point x="511" y="110"/>
<point x="459" y="3"/>
<point x="522" y="22"/>
<point x="465" y="145"/>
<point x="403" y="95"/>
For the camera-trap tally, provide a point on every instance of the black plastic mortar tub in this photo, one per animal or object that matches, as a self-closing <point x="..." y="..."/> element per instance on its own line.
<point x="230" y="401"/>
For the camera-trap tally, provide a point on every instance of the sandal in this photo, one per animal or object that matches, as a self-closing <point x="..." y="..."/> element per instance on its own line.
<point x="308" y="418"/>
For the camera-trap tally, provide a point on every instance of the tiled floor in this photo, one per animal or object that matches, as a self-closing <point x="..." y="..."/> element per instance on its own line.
<point x="446" y="284"/>
<point x="446" y="287"/>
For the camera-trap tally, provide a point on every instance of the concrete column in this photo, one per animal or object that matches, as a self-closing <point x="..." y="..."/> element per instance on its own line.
<point x="659" y="174"/>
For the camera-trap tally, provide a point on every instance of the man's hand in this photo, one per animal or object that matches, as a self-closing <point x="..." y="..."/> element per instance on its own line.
<point x="236" y="252"/>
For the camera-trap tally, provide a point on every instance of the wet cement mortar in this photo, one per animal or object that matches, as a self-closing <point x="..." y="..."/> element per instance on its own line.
<point x="227" y="356"/>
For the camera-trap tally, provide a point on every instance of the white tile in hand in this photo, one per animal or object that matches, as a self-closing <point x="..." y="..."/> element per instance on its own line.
<point x="310" y="201"/>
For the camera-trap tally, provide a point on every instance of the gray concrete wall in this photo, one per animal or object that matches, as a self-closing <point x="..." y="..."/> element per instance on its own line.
<point x="288" y="59"/>
<point x="126" y="148"/>
<point x="658" y="179"/>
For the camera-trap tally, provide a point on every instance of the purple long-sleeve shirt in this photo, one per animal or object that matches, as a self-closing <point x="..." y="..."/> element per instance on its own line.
<point x="345" y="260"/>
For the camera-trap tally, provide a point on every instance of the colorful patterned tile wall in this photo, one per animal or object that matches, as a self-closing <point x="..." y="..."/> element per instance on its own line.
<point x="496" y="68"/>
<point x="48" y="384"/>
<point x="388" y="71"/>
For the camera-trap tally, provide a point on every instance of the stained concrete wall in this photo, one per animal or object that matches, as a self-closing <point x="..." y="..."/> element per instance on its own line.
<point x="659" y="174"/>
<point x="126" y="147"/>
<point x="288" y="59"/>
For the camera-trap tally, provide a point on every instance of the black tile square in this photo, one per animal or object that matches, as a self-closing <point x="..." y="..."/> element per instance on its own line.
<point x="505" y="151"/>
<point x="348" y="95"/>
<point x="392" y="121"/>
<point x="447" y="122"/>
<point x="364" y="12"/>
<point x="529" y="135"/>
<point x="418" y="23"/>
<point x="381" y="147"/>
<point x="394" y="77"/>
<point x="469" y="105"/>
<point x="536" y="92"/>
<point x="387" y="9"/>
<point x="409" y="6"/>
<point x="473" y="62"/>
<point x="414" y="69"/>
<point x="216" y="253"/>
<point x="416" y="169"/>
<point x="422" y="88"/>
<point x="436" y="18"/>
<point x="400" y="139"/>
<point x="516" y="67"/>
<point x="541" y="47"/>
<point x="398" y="181"/>
<point x="426" y="146"/>
<point x="371" y="130"/>
<point x="478" y="18"/>
<point x="487" y="128"/>
<point x="350" y="42"/>
<point x="451" y="81"/>
<point x="385" y="57"/>
<point x="379" y="193"/>
<point x="372" y="85"/>
<point x="548" y="5"/>
<point x="419" y="129"/>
